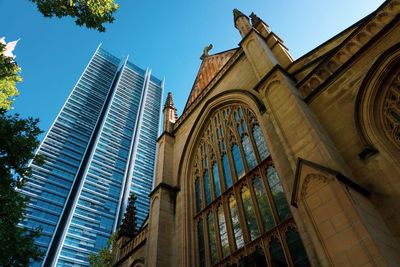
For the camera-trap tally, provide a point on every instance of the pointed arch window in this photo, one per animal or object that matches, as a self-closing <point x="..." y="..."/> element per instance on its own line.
<point x="238" y="196"/>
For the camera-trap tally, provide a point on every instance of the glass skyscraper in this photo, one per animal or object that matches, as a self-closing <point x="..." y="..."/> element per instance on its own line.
<point x="99" y="150"/>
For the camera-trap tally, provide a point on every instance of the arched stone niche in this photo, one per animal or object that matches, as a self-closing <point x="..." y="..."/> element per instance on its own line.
<point x="343" y="225"/>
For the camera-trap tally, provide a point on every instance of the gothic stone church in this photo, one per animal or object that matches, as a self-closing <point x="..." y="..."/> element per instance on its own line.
<point x="281" y="162"/>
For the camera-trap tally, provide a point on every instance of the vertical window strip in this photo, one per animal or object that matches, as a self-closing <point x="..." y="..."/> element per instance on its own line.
<point x="207" y="189"/>
<point x="248" y="152"/>
<point x="200" y="237"/>
<point x="237" y="160"/>
<point x="278" y="194"/>
<point x="212" y="238"/>
<point x="217" y="183"/>
<point x="227" y="171"/>
<point x="263" y="204"/>
<point x="237" y="231"/>
<point x="296" y="249"/>
<point x="223" y="232"/>
<point x="260" y="142"/>
<point x="250" y="213"/>
<point x="198" y="194"/>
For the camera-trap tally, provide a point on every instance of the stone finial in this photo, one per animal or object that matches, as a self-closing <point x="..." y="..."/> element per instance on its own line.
<point x="241" y="22"/>
<point x="169" y="102"/>
<point x="170" y="113"/>
<point x="259" y="24"/>
<point x="205" y="51"/>
<point x="254" y="19"/>
<point x="128" y="226"/>
<point x="237" y="14"/>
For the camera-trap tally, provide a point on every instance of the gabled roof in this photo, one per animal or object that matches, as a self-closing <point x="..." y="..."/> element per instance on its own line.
<point x="209" y="68"/>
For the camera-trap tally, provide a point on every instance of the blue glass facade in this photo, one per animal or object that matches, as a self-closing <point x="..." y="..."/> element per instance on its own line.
<point x="100" y="149"/>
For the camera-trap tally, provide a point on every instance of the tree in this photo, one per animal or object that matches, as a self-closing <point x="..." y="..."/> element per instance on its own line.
<point x="9" y="76"/>
<point x="18" y="140"/>
<point x="90" y="13"/>
<point x="105" y="256"/>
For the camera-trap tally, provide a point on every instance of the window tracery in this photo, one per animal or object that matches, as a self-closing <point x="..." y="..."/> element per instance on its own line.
<point x="239" y="200"/>
<point x="391" y="109"/>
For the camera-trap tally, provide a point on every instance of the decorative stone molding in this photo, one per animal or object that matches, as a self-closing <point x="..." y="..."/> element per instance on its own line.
<point x="350" y="46"/>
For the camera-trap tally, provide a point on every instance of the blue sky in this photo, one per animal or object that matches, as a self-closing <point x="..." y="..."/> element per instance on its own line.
<point x="167" y="36"/>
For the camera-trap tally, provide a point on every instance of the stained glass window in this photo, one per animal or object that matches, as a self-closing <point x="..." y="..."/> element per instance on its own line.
<point x="233" y="141"/>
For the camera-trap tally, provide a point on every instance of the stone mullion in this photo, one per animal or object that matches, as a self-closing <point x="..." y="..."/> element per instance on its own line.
<point x="264" y="179"/>
<point x="255" y="205"/>
<point x="218" y="157"/>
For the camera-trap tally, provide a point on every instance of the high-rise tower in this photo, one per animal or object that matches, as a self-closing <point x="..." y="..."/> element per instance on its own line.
<point x="100" y="149"/>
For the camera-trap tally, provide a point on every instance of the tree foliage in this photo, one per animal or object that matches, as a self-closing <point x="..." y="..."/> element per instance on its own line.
<point x="9" y="76"/>
<point x="90" y="13"/>
<point x="18" y="140"/>
<point x="104" y="258"/>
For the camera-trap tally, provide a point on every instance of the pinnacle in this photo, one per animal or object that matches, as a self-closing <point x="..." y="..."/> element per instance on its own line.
<point x="237" y="14"/>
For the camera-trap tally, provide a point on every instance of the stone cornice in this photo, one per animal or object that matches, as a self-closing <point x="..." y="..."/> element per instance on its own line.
<point x="353" y="44"/>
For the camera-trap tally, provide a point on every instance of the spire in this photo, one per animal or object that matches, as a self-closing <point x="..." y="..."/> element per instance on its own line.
<point x="128" y="226"/>
<point x="241" y="22"/>
<point x="237" y="14"/>
<point x="170" y="113"/>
